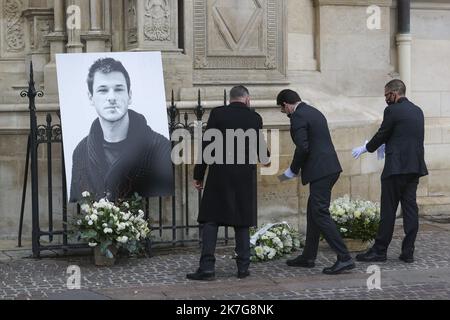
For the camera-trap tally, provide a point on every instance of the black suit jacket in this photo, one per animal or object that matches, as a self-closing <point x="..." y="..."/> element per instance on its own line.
<point x="402" y="131"/>
<point x="314" y="154"/>
<point x="229" y="197"/>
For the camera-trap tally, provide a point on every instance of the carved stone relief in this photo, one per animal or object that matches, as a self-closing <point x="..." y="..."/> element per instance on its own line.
<point x="157" y="20"/>
<point x="43" y="27"/>
<point x="238" y="34"/>
<point x="13" y="30"/>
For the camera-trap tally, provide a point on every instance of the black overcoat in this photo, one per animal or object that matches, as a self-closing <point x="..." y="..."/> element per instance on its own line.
<point x="229" y="197"/>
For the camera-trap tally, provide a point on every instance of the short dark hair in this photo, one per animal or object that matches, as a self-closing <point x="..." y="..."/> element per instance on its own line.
<point x="239" y="92"/>
<point x="396" y="85"/>
<point x="288" y="96"/>
<point x="107" y="65"/>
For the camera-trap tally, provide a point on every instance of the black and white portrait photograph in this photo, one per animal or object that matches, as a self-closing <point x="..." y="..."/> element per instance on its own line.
<point x="115" y="126"/>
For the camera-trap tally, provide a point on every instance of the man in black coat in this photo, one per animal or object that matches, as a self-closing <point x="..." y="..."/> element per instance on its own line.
<point x="316" y="157"/>
<point x="402" y="133"/>
<point x="229" y="198"/>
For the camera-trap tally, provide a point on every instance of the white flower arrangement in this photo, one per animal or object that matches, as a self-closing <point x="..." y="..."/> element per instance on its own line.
<point x="273" y="241"/>
<point x="106" y="224"/>
<point x="356" y="219"/>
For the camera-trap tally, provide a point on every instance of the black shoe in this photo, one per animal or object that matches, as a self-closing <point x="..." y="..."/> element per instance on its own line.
<point x="243" y="274"/>
<point x="202" y="275"/>
<point x="339" y="267"/>
<point x="300" y="261"/>
<point x="407" y="259"/>
<point x="371" y="256"/>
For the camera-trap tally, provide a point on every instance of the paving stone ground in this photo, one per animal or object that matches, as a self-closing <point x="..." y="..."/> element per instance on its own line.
<point x="163" y="276"/>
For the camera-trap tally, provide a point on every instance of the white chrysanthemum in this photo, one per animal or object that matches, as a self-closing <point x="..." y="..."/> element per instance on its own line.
<point x="90" y="222"/>
<point x="270" y="235"/>
<point x="86" y="194"/>
<point x="93" y="244"/>
<point x="85" y="207"/>
<point x="259" y="251"/>
<point x="123" y="239"/>
<point x="271" y="254"/>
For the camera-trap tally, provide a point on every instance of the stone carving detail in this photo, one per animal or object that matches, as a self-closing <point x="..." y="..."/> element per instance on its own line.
<point x="44" y="27"/>
<point x="132" y="22"/>
<point x="271" y="35"/>
<point x="237" y="34"/>
<point x="157" y="20"/>
<point x="38" y="39"/>
<point x="14" y="25"/>
<point x="201" y="62"/>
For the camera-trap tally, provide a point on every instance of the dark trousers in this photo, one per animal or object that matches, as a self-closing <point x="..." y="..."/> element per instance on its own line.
<point x="395" y="189"/>
<point x="209" y="238"/>
<point x="318" y="220"/>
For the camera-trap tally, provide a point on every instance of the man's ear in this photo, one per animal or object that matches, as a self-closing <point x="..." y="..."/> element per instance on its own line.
<point x="90" y="98"/>
<point x="130" y="96"/>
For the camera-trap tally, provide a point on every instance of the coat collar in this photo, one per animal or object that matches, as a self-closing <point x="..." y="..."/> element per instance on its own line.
<point x="238" y="105"/>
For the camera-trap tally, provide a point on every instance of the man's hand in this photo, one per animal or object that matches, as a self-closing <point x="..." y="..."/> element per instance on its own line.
<point x="198" y="185"/>
<point x="267" y="165"/>
<point x="381" y="151"/>
<point x="287" y="175"/>
<point x="357" y="152"/>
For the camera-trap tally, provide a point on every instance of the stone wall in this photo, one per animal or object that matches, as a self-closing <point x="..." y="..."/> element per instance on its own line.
<point x="431" y="90"/>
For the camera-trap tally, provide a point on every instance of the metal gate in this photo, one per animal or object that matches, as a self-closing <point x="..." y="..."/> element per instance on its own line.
<point x="172" y="215"/>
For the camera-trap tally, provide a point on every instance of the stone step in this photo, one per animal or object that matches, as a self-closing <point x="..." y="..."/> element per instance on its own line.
<point x="435" y="208"/>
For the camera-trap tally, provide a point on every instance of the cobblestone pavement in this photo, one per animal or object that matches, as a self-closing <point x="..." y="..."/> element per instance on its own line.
<point x="164" y="276"/>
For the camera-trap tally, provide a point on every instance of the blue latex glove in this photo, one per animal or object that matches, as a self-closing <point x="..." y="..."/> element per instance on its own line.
<point x="357" y="152"/>
<point x="287" y="175"/>
<point x="380" y="152"/>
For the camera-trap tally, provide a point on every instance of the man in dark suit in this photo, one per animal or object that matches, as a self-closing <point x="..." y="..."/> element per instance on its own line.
<point x="229" y="198"/>
<point x="402" y="132"/>
<point x="316" y="157"/>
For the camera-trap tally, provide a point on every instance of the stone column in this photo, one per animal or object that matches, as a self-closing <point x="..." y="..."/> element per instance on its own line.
<point x="57" y="40"/>
<point x="96" y="14"/>
<point x="74" y="44"/>
<point x="404" y="41"/>
<point x="97" y="36"/>
<point x="58" y="13"/>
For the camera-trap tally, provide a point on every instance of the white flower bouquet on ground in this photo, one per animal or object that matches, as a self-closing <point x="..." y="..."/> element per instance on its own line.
<point x="273" y="241"/>
<point x="356" y="219"/>
<point x="109" y="226"/>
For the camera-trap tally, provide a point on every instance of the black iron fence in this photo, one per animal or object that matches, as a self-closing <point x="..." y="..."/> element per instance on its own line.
<point x="174" y="214"/>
